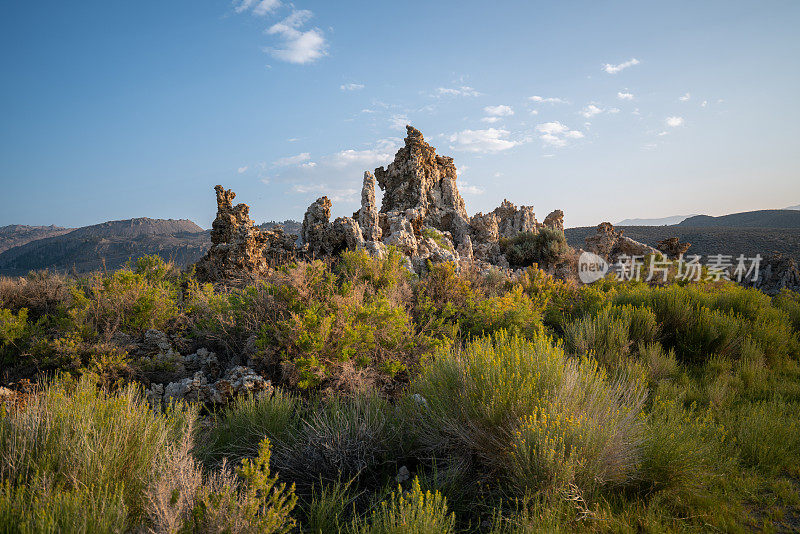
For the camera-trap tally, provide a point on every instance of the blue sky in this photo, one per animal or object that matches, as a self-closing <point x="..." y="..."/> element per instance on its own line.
<point x="606" y="110"/>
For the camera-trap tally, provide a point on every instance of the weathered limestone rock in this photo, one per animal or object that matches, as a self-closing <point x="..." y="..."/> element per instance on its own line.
<point x="419" y="179"/>
<point x="610" y="244"/>
<point x="368" y="217"/>
<point x="555" y="220"/>
<point x="238" y="248"/>
<point x="511" y="221"/>
<point x="672" y="247"/>
<point x="237" y="381"/>
<point x="317" y="226"/>
<point x="776" y="272"/>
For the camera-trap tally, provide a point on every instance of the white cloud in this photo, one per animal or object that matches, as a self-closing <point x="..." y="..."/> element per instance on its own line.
<point x="704" y="104"/>
<point x="470" y="189"/>
<point x="499" y="111"/>
<point x="242" y="170"/>
<point x="625" y="95"/>
<point x="556" y="134"/>
<point x="685" y="98"/>
<point x="549" y="100"/>
<point x="260" y="8"/>
<point x="482" y="141"/>
<point x="590" y="111"/>
<point x="674" y="122"/>
<point x="351" y="87"/>
<point x="292" y="160"/>
<point x="613" y="69"/>
<point x="613" y="110"/>
<point x="490" y="120"/>
<point x="360" y="158"/>
<point x="661" y="134"/>
<point x="399" y="122"/>
<point x="534" y="112"/>
<point x="464" y="90"/>
<point x="298" y="46"/>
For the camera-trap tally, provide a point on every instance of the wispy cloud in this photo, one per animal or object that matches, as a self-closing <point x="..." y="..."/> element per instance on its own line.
<point x="547" y="100"/>
<point x="292" y="160"/>
<point x="624" y="95"/>
<point x="464" y="90"/>
<point x="242" y="170"/>
<point x="613" y="69"/>
<point x="399" y="122"/>
<point x="499" y="111"/>
<point x="298" y="46"/>
<point x="482" y="141"/>
<point x="674" y="122"/>
<point x="351" y="86"/>
<point x="260" y="8"/>
<point x="685" y="98"/>
<point x="557" y="134"/>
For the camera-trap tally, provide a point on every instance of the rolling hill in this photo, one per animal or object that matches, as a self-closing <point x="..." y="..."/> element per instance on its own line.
<point x="748" y="219"/>
<point x="108" y="245"/>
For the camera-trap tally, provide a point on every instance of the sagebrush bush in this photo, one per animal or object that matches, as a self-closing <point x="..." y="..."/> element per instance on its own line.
<point x="131" y="300"/>
<point x="239" y="428"/>
<point x="547" y="246"/>
<point x="767" y="434"/>
<point x="343" y="438"/>
<point x="411" y="512"/>
<point x="523" y="408"/>
<point x="74" y="443"/>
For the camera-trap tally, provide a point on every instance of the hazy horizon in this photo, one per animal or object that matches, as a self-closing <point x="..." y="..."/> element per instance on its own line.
<point x="116" y="111"/>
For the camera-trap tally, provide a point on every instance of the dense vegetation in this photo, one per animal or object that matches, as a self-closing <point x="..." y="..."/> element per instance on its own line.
<point x="458" y="401"/>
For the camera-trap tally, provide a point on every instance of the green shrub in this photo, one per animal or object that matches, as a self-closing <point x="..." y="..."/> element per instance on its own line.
<point x="132" y="301"/>
<point x="328" y="507"/>
<point x="412" y="512"/>
<point x="258" y="505"/>
<point x="610" y="334"/>
<point x="767" y="434"/>
<point x="344" y="437"/>
<point x="789" y="302"/>
<point x="678" y="454"/>
<point x="547" y="246"/>
<point x="73" y="444"/>
<point x="12" y="329"/>
<point x="239" y="429"/>
<point x="513" y="311"/>
<point x="567" y="421"/>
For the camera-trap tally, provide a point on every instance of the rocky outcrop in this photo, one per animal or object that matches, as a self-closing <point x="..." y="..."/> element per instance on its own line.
<point x="610" y="244"/>
<point x="422" y="215"/>
<point x="672" y="247"/>
<point x="199" y="389"/>
<point x="555" y="220"/>
<point x="776" y="272"/>
<point x="238" y="248"/>
<point x="368" y="215"/>
<point x="425" y="183"/>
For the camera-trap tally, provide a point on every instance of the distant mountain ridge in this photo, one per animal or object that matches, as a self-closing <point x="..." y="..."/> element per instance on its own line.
<point x="109" y="245"/>
<point x="15" y="235"/>
<point x="748" y="219"/>
<point x="663" y="221"/>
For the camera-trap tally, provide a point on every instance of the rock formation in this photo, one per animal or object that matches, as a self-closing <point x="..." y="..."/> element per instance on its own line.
<point x="776" y="272"/>
<point x="422" y="215"/>
<point x="424" y="183"/>
<point x="238" y="248"/>
<point x="672" y="247"/>
<point x="610" y="244"/>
